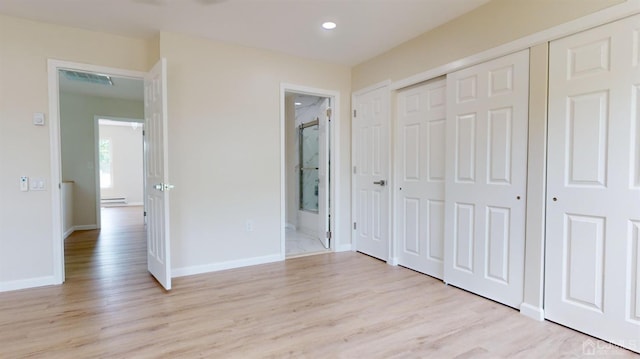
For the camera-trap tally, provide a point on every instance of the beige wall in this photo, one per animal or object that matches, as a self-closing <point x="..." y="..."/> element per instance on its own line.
<point x="26" y="240"/>
<point x="224" y="145"/>
<point x="78" y="146"/>
<point x="490" y="25"/>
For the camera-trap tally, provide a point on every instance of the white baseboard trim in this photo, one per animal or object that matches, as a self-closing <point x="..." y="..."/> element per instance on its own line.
<point x="393" y="261"/>
<point x="290" y="226"/>
<point x="85" y="227"/>
<point x="27" y="283"/>
<point x="344" y="248"/>
<point x="214" y="267"/>
<point x="68" y="233"/>
<point x="130" y="204"/>
<point x="532" y="312"/>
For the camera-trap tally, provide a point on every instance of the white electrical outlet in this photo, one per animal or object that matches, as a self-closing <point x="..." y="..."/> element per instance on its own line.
<point x="248" y="226"/>
<point x="24" y="183"/>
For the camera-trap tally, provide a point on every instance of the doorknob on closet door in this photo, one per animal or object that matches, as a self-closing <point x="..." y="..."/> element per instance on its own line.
<point x="381" y="182"/>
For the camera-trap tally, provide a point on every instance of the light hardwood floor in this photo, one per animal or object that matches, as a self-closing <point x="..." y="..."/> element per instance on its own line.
<point x="343" y="305"/>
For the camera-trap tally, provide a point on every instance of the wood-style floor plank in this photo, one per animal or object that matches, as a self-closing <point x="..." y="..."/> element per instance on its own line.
<point x="338" y="305"/>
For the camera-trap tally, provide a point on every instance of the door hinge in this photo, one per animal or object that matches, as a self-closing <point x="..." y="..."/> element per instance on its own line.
<point x="329" y="235"/>
<point x="142" y="132"/>
<point x="354" y="169"/>
<point x="354" y="226"/>
<point x="145" y="213"/>
<point x="329" y="112"/>
<point x="354" y="113"/>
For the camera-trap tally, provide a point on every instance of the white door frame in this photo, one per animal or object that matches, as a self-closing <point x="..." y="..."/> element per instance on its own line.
<point x="56" y="162"/>
<point x="391" y="257"/>
<point x="334" y="159"/>
<point x="96" y="136"/>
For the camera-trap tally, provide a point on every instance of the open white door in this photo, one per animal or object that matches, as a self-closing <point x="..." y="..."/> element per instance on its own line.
<point x="156" y="174"/>
<point x="323" y="177"/>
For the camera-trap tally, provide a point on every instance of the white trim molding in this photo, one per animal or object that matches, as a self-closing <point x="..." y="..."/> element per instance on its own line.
<point x="370" y="88"/>
<point x="215" y="267"/>
<point x="616" y="12"/>
<point x="56" y="162"/>
<point x="344" y="248"/>
<point x="27" y="283"/>
<point x="530" y="311"/>
<point x="335" y="208"/>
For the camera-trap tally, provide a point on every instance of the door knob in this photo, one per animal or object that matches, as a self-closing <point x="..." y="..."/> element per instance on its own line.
<point x="381" y="182"/>
<point x="163" y="186"/>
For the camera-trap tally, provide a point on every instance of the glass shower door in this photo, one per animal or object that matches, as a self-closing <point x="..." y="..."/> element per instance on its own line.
<point x="309" y="166"/>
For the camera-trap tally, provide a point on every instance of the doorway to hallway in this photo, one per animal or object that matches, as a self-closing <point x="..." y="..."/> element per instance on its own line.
<point x="111" y="254"/>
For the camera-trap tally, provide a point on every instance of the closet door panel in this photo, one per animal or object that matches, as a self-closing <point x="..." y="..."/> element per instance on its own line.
<point x="593" y="204"/>
<point x="487" y="118"/>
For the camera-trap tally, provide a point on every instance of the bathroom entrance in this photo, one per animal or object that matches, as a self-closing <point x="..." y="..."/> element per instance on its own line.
<point x="307" y="121"/>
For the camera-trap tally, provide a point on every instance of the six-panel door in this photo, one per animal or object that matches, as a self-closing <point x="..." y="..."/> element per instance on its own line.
<point x="486" y="175"/>
<point x="371" y="173"/>
<point x="592" y="274"/>
<point x="420" y="168"/>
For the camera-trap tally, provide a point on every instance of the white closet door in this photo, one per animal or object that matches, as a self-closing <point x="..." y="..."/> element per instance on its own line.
<point x="487" y="117"/>
<point x="420" y="159"/>
<point x="371" y="167"/>
<point x="592" y="269"/>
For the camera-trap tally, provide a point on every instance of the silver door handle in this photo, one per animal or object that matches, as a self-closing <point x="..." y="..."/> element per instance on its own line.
<point x="163" y="186"/>
<point x="381" y="182"/>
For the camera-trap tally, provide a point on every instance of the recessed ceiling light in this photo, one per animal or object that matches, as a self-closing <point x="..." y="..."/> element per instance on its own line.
<point x="298" y="103"/>
<point x="329" y="25"/>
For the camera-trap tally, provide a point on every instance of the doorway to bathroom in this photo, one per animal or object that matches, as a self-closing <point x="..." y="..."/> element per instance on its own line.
<point x="307" y="174"/>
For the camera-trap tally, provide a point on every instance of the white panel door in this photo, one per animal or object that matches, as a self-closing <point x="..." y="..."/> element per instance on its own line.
<point x="420" y="168"/>
<point x="156" y="176"/>
<point x="592" y="269"/>
<point x="371" y="172"/>
<point x="487" y="118"/>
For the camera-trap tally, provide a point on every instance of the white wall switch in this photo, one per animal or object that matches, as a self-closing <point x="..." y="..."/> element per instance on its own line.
<point x="37" y="184"/>
<point x="24" y="183"/>
<point x="38" y="119"/>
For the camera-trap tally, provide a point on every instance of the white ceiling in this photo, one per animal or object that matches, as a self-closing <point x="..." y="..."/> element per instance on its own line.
<point x="365" y="29"/>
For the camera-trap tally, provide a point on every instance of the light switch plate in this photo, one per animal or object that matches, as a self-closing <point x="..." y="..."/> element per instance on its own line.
<point x="38" y="119"/>
<point x="37" y="184"/>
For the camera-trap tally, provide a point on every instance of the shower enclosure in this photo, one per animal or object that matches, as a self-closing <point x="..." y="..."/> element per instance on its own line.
<point x="309" y="165"/>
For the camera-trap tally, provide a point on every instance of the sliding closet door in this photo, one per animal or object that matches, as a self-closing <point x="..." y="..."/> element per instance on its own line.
<point x="487" y="117"/>
<point x="420" y="169"/>
<point x="592" y="267"/>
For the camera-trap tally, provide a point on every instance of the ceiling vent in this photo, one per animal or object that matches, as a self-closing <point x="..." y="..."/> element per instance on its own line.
<point x="88" y="77"/>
